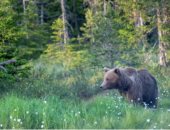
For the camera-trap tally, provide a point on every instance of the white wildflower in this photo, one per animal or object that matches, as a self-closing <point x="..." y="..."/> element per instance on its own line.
<point x="148" y="120"/>
<point x="10" y="117"/>
<point x="95" y="123"/>
<point x="18" y="120"/>
<point x="119" y="113"/>
<point x="36" y="113"/>
<point x="45" y="102"/>
<point x="42" y="126"/>
<point x="1" y="125"/>
<point x="27" y="112"/>
<point x="76" y="114"/>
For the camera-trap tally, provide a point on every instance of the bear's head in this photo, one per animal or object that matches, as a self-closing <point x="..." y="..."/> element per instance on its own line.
<point x="111" y="78"/>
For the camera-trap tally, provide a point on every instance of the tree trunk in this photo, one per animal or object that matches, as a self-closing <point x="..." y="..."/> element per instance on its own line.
<point x="138" y="20"/>
<point x="64" y="18"/>
<point x="104" y="7"/>
<point x="24" y="18"/>
<point x="162" y="48"/>
<point x="42" y="14"/>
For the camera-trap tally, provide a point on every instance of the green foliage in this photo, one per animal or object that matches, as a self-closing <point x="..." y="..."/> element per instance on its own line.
<point x="104" y="111"/>
<point x="56" y="85"/>
<point x="8" y="31"/>
<point x="57" y="26"/>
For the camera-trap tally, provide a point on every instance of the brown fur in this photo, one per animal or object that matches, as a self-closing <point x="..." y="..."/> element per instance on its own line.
<point x="138" y="86"/>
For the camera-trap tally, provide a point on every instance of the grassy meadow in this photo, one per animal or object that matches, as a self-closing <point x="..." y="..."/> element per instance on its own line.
<point x="52" y="97"/>
<point x="52" y="55"/>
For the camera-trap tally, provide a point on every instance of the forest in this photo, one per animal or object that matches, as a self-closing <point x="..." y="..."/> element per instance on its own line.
<point x="52" y="55"/>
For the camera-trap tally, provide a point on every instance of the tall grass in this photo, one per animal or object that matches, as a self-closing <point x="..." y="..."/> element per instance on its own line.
<point x="53" y="79"/>
<point x="55" y="97"/>
<point x="103" y="111"/>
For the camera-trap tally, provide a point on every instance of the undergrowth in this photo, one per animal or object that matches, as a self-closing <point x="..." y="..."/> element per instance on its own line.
<point x="53" y="97"/>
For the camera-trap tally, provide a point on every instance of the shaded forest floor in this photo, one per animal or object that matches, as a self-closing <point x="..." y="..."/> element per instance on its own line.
<point x="52" y="97"/>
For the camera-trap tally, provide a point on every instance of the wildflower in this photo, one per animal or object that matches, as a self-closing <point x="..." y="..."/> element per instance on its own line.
<point x="42" y="122"/>
<point x="21" y="122"/>
<point x="36" y="113"/>
<point x="10" y="117"/>
<point x="15" y="109"/>
<point x="45" y="102"/>
<point x="27" y="112"/>
<point x="148" y="120"/>
<point x="79" y="112"/>
<point x="169" y="125"/>
<point x="119" y="98"/>
<point x="95" y="123"/>
<point x="42" y="126"/>
<point x="119" y="113"/>
<point x="1" y="125"/>
<point x="154" y="126"/>
<point x="116" y="106"/>
<point x="18" y="120"/>
<point x="75" y="114"/>
<point x="15" y="119"/>
<point x="168" y="110"/>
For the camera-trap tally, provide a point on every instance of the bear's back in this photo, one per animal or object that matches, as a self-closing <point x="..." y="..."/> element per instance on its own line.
<point x="129" y="71"/>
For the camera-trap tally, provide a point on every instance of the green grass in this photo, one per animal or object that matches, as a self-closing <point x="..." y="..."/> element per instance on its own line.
<point x="102" y="111"/>
<point x="55" y="98"/>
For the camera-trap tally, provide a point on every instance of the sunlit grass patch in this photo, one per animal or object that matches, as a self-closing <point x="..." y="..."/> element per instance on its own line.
<point x="103" y="111"/>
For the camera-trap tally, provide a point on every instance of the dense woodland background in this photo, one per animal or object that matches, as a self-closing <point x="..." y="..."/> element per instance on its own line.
<point x="56" y="49"/>
<point x="94" y="32"/>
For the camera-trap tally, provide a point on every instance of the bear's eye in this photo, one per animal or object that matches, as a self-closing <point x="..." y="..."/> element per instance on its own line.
<point x="107" y="79"/>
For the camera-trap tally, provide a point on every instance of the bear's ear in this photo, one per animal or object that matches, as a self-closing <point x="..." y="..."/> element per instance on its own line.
<point x="106" y="69"/>
<point x="117" y="71"/>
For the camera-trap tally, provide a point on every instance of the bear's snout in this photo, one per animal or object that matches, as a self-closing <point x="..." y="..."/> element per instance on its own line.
<point x="102" y="85"/>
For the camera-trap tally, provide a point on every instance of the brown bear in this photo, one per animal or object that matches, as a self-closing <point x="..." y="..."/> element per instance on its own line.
<point x="138" y="86"/>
